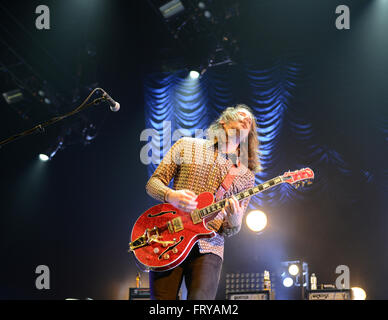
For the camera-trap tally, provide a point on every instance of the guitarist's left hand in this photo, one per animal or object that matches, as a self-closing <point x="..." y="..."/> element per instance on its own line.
<point x="233" y="212"/>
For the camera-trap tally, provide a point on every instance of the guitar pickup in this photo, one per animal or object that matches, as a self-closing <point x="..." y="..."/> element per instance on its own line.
<point x="195" y="217"/>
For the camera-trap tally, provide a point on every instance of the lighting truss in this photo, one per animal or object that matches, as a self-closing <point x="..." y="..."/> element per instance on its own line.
<point x="202" y="29"/>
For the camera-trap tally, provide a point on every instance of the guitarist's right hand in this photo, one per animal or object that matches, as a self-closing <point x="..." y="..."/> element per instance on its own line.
<point x="182" y="199"/>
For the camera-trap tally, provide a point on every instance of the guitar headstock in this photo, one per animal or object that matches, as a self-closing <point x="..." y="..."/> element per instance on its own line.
<point x="299" y="178"/>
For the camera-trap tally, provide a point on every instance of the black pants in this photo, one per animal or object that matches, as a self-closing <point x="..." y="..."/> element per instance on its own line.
<point x="201" y="272"/>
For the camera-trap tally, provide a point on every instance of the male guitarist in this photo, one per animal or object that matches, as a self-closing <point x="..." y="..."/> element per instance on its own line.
<point x="199" y="165"/>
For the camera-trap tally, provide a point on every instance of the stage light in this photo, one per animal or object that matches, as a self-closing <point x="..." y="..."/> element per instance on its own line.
<point x="288" y="282"/>
<point x="358" y="293"/>
<point x="201" y="5"/>
<point x="47" y="100"/>
<point x="44" y="157"/>
<point x="89" y="133"/>
<point x="293" y="269"/>
<point x="171" y="8"/>
<point x="256" y="220"/>
<point x="207" y="14"/>
<point x="13" y="96"/>
<point x="51" y="152"/>
<point x="194" y="74"/>
<point x="295" y="273"/>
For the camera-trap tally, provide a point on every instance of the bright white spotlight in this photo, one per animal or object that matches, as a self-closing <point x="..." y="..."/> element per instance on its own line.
<point x="293" y="269"/>
<point x="358" y="293"/>
<point x="288" y="282"/>
<point x="194" y="74"/>
<point x="207" y="14"/>
<point x="43" y="157"/>
<point x="201" y="5"/>
<point x="256" y="220"/>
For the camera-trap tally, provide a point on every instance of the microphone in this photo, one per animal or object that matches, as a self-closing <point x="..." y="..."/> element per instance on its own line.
<point x="114" y="105"/>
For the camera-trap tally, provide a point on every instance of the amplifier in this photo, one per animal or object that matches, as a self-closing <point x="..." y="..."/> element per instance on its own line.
<point x="139" y="294"/>
<point x="331" y="294"/>
<point x="254" y="295"/>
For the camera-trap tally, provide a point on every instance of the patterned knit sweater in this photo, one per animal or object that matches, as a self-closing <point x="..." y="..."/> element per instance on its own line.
<point x="196" y="165"/>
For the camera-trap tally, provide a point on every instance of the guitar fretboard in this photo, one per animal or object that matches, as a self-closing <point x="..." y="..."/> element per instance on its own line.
<point x="217" y="206"/>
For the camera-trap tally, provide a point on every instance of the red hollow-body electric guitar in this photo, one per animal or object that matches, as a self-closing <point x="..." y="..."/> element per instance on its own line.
<point x="163" y="236"/>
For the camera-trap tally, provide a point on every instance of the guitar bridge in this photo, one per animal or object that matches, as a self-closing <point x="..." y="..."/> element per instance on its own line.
<point x="147" y="238"/>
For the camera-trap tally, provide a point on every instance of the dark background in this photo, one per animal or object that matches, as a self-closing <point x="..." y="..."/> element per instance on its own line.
<point x="74" y="213"/>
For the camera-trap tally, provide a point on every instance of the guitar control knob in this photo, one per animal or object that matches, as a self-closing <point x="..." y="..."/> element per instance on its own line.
<point x="175" y="250"/>
<point x="165" y="245"/>
<point x="156" y="250"/>
<point x="166" y="256"/>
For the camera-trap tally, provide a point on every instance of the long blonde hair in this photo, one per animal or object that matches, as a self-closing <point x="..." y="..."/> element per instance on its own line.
<point x="231" y="114"/>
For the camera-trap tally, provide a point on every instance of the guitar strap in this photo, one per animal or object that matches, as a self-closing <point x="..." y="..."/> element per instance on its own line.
<point x="216" y="222"/>
<point x="227" y="182"/>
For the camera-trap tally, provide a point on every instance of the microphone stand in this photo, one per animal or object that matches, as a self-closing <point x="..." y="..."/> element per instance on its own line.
<point x="40" y="127"/>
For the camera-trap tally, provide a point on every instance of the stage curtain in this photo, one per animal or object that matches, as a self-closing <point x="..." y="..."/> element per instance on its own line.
<point x="289" y="137"/>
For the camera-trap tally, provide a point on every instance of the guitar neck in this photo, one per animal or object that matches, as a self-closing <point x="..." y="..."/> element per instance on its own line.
<point x="217" y="206"/>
